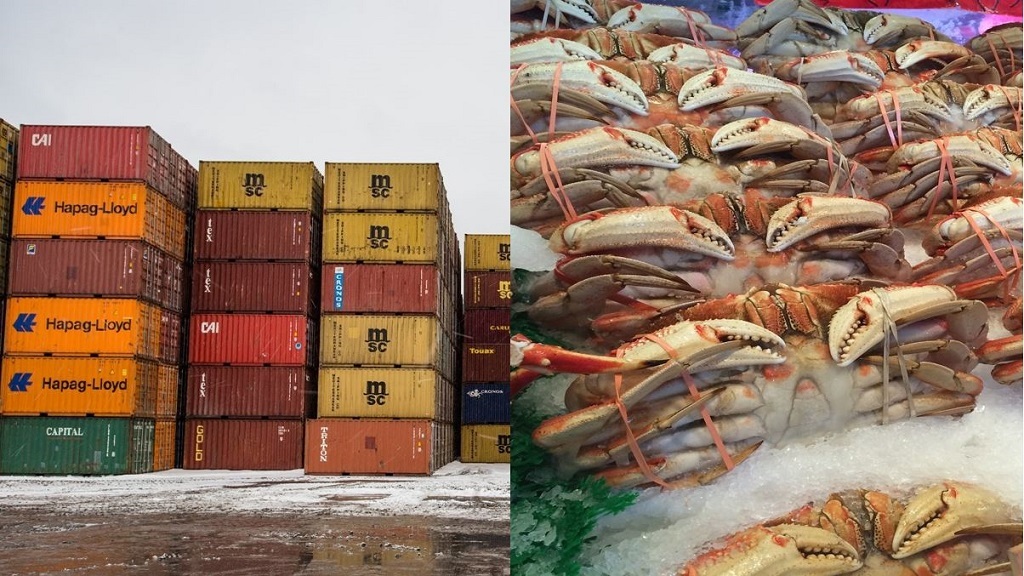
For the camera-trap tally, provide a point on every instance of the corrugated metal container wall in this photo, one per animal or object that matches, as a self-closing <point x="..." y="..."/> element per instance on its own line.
<point x="8" y="150"/>
<point x="282" y="287"/>
<point x="6" y="199"/>
<point x="164" y="435"/>
<point x="276" y="391"/>
<point x="5" y="247"/>
<point x="249" y="339"/>
<point x="380" y="340"/>
<point x="79" y="386"/>
<point x="378" y="186"/>
<point x="122" y="268"/>
<point x="340" y="446"/>
<point x="486" y="443"/>
<point x="485" y="362"/>
<point x="76" y="326"/>
<point x="486" y="325"/>
<point x="260" y="186"/>
<point x="488" y="252"/>
<point x="98" y="209"/>
<point x="43" y="445"/>
<point x="243" y="444"/>
<point x="381" y="237"/>
<point x="221" y="235"/>
<point x="486" y="403"/>
<point x="105" y="153"/>
<point x="487" y="289"/>
<point x="389" y="288"/>
<point x="167" y="390"/>
<point x="384" y="393"/>
<point x="171" y="327"/>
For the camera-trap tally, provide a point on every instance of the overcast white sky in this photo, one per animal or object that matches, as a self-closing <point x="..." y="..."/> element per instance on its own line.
<point x="338" y="81"/>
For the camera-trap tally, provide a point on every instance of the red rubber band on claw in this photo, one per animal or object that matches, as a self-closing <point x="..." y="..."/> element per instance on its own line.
<point x="1013" y="275"/>
<point x="634" y="446"/>
<point x="945" y="165"/>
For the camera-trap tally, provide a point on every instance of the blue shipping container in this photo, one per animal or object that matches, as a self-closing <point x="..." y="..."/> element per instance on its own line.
<point x="486" y="403"/>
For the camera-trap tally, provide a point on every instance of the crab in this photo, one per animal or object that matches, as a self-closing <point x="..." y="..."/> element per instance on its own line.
<point x="1005" y="353"/>
<point x="951" y="528"/>
<point x="839" y="355"/>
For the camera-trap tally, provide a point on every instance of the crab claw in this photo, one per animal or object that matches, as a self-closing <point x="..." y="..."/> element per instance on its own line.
<point x="790" y="549"/>
<point x="549" y="49"/>
<point x="588" y="78"/>
<point x="890" y="30"/>
<point x="689" y="56"/>
<point x="936" y="515"/>
<point x="917" y="51"/>
<point x="750" y="132"/>
<point x="810" y="215"/>
<point x="670" y="21"/>
<point x="989" y="98"/>
<point x="720" y="84"/>
<point x="1002" y="213"/>
<point x="836" y="66"/>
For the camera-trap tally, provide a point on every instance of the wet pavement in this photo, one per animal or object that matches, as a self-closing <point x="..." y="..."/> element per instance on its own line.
<point x="40" y="541"/>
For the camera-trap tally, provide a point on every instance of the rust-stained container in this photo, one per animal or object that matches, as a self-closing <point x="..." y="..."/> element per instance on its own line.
<point x="250" y="391"/>
<point x="343" y="446"/>
<point x="486" y="325"/>
<point x="217" y="444"/>
<point x="48" y="445"/>
<point x="486" y="403"/>
<point x="167" y="388"/>
<point x="385" y="393"/>
<point x="260" y="186"/>
<point x="111" y="268"/>
<point x="229" y="235"/>
<point x="486" y="443"/>
<point x="6" y="200"/>
<point x="135" y="153"/>
<point x="381" y="237"/>
<point x="250" y="339"/>
<point x="385" y="288"/>
<point x="487" y="289"/>
<point x="279" y="287"/>
<point x="87" y="326"/>
<point x="164" y="434"/>
<point x="60" y="386"/>
<point x="485" y="362"/>
<point x="379" y="186"/>
<point x="8" y="151"/>
<point x="488" y="252"/>
<point x="126" y="210"/>
<point x="377" y="339"/>
<point x="4" y="268"/>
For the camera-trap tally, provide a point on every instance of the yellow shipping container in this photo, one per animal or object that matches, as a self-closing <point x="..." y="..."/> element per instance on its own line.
<point x="488" y="252"/>
<point x="8" y="151"/>
<point x="385" y="393"/>
<point x="79" y="386"/>
<point x="82" y="326"/>
<point x="487" y="443"/>
<point x="381" y="340"/>
<point x="260" y="186"/>
<point x="381" y="237"/>
<point x="378" y="186"/>
<point x="91" y="209"/>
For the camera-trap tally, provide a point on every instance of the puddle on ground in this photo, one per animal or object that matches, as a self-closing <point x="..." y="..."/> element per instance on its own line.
<point x="37" y="542"/>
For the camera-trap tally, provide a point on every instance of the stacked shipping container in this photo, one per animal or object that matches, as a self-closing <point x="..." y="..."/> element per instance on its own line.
<point x="94" y="328"/>
<point x="8" y="161"/>
<point x="255" y="307"/>
<point x="390" y="293"/>
<point x="486" y="398"/>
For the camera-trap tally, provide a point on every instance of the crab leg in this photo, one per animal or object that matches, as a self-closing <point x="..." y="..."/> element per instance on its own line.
<point x="588" y="78"/>
<point x="549" y="49"/>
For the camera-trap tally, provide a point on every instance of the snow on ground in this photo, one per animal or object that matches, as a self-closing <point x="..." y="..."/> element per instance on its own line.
<point x="458" y="490"/>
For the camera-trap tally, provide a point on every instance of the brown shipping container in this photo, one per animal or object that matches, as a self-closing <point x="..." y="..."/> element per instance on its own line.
<point x="487" y="289"/>
<point x="86" y="326"/>
<point x="486" y="325"/>
<point x="5" y="245"/>
<point x="98" y="210"/>
<point x="282" y="287"/>
<point x="121" y="268"/>
<point x="385" y="393"/>
<point x="381" y="237"/>
<point x="260" y="186"/>
<point x="341" y="446"/>
<point x="249" y="391"/>
<point x="379" y="186"/>
<point x="167" y="390"/>
<point x="376" y="339"/>
<point x="486" y="443"/>
<point x="488" y="252"/>
<point x="134" y="153"/>
<point x="485" y="362"/>
<point x="243" y="444"/>
<point x="386" y="288"/>
<point x="250" y="339"/>
<point x="163" y="444"/>
<point x="8" y="151"/>
<point x="229" y="235"/>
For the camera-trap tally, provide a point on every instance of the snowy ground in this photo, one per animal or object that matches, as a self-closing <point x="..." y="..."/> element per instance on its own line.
<point x="471" y="491"/>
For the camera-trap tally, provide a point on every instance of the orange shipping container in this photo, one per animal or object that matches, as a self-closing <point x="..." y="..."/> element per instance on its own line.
<point x="45" y="209"/>
<point x="341" y="446"/>
<point x="163" y="444"/>
<point x="83" y="326"/>
<point x="167" y="387"/>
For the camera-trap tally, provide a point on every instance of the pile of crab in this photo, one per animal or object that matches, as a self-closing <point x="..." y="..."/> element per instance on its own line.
<point x="770" y="233"/>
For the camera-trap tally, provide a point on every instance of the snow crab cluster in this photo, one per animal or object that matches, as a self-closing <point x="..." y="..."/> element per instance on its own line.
<point x="768" y="233"/>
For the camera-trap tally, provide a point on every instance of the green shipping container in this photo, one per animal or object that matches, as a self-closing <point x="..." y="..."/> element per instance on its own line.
<point x="43" y="445"/>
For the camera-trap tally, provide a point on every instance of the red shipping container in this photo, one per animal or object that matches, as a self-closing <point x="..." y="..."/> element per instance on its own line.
<point x="134" y="153"/>
<point x="487" y="289"/>
<point x="485" y="362"/>
<point x="243" y="444"/>
<point x="277" y="391"/>
<point x="486" y="325"/>
<point x="253" y="287"/>
<point x="250" y="339"/>
<point x="129" y="268"/>
<point x="365" y="446"/>
<point x="256" y="235"/>
<point x="390" y="288"/>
